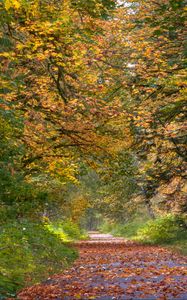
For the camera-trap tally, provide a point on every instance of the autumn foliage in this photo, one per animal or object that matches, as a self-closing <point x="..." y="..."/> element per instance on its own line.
<point x="92" y="115"/>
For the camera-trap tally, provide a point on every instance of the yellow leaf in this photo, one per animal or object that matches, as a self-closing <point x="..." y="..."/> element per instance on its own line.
<point x="12" y="4"/>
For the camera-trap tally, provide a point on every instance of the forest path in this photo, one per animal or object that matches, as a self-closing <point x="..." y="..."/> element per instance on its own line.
<point x="113" y="268"/>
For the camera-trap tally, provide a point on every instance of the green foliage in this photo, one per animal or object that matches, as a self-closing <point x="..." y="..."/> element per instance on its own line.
<point x="29" y="252"/>
<point x="169" y="230"/>
<point x="66" y="230"/>
<point x="118" y="186"/>
<point x="98" y="8"/>
<point x="107" y="227"/>
<point x="71" y="229"/>
<point x="179" y="246"/>
<point x="59" y="104"/>
<point x="11" y="151"/>
<point x="165" y="229"/>
<point x="127" y="230"/>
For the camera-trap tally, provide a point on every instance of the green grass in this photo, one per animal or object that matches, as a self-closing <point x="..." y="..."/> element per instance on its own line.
<point x="169" y="231"/>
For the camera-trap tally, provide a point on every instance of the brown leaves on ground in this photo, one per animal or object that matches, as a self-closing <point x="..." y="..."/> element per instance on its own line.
<point x="116" y="269"/>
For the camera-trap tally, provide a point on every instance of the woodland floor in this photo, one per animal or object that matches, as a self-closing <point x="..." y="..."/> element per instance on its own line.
<point x="112" y="268"/>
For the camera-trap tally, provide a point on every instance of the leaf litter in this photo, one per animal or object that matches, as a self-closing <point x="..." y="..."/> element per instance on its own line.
<point x="113" y="268"/>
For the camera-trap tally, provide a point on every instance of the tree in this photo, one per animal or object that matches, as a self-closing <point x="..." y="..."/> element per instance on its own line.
<point x="150" y="76"/>
<point x="59" y="95"/>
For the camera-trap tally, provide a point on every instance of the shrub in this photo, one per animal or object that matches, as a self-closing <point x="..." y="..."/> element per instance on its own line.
<point x="67" y="230"/>
<point x="71" y="229"/>
<point x="127" y="230"/>
<point x="163" y="230"/>
<point x="107" y="227"/>
<point x="28" y="254"/>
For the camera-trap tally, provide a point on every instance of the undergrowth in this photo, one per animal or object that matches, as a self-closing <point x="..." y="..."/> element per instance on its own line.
<point x="29" y="253"/>
<point x="169" y="230"/>
<point x="67" y="230"/>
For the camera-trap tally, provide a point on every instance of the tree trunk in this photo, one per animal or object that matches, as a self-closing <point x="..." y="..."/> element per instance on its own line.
<point x="149" y="209"/>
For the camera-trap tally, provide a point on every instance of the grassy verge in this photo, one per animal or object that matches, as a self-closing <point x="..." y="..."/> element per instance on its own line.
<point x="31" y="252"/>
<point x="169" y="231"/>
<point x="128" y="230"/>
<point x="179" y="246"/>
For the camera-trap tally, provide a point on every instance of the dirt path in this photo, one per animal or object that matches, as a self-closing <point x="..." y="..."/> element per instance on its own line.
<point x="112" y="268"/>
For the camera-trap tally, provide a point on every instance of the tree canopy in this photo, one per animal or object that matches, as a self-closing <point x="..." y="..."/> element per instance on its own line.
<point x="92" y="110"/>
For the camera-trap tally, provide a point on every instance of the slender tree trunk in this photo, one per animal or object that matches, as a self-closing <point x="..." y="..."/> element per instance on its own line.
<point x="149" y="208"/>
